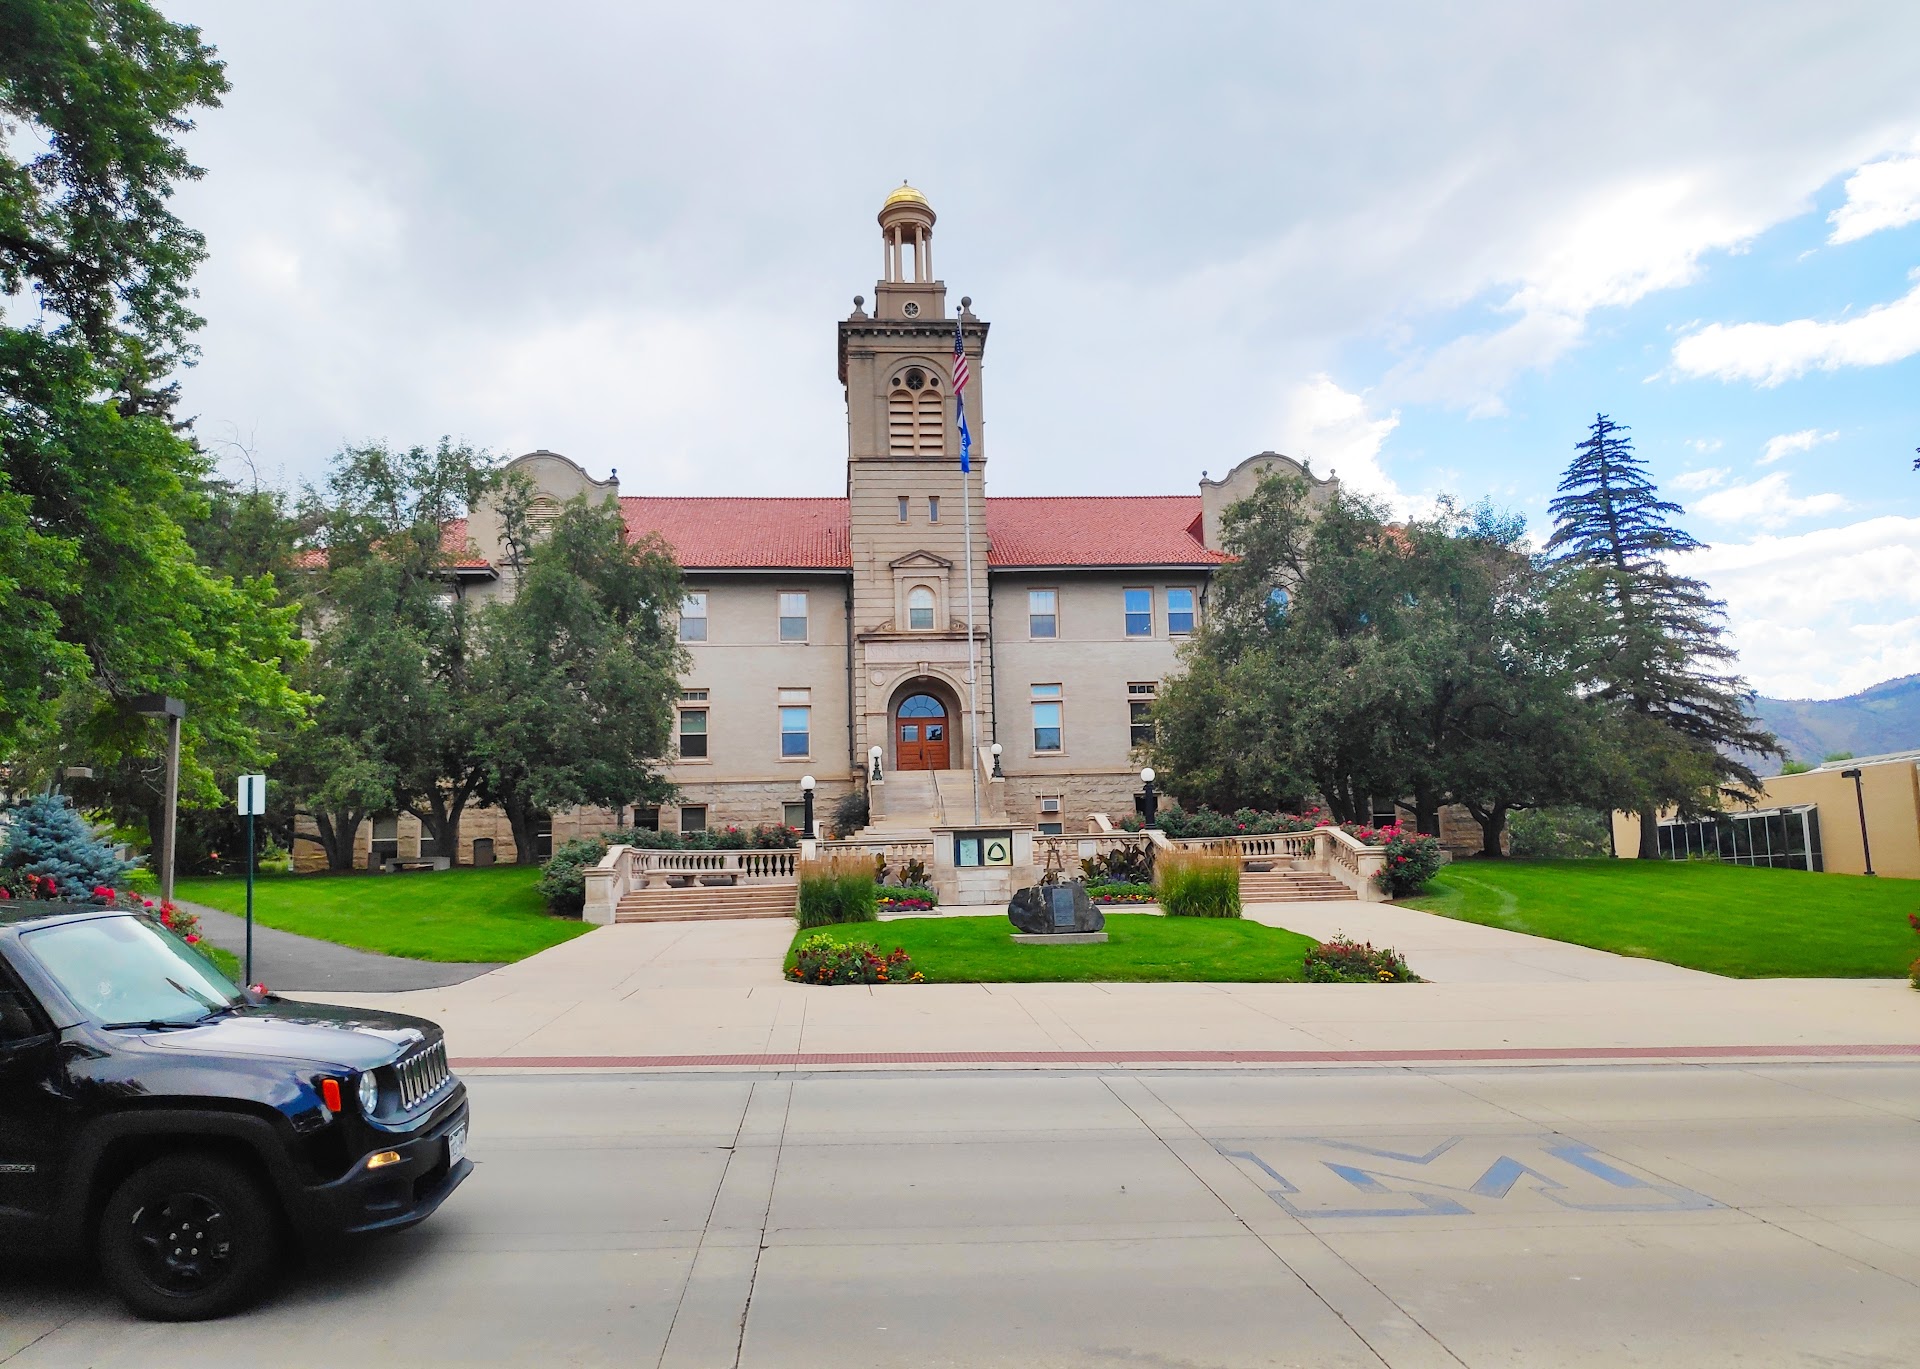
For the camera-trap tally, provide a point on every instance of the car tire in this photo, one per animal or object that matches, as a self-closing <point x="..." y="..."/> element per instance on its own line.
<point x="188" y="1237"/>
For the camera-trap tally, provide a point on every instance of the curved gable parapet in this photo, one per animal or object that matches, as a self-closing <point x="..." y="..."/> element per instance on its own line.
<point x="1238" y="483"/>
<point x="555" y="478"/>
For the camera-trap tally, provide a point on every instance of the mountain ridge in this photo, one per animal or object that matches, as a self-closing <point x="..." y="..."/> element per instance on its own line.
<point x="1880" y="718"/>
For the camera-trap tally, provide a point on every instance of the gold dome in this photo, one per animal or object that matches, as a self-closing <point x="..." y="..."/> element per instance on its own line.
<point x="906" y="194"/>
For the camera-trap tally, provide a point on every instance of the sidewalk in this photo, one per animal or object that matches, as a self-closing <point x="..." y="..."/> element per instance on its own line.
<point x="711" y="993"/>
<point x="288" y="963"/>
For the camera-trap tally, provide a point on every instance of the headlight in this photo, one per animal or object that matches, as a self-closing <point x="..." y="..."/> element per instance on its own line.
<point x="369" y="1094"/>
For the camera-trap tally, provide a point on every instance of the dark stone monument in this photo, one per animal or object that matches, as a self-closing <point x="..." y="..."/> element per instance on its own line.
<point x="1055" y="910"/>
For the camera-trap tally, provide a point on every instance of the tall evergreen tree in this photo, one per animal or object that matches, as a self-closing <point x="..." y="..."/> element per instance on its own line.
<point x="1659" y="654"/>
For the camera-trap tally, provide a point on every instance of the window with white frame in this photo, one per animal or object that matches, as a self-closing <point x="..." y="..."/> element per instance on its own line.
<point x="794" y="815"/>
<point x="933" y="508"/>
<point x="793" y="617"/>
<point x="692" y="729"/>
<point x="1140" y="696"/>
<point x="693" y="817"/>
<point x="1180" y="615"/>
<point x="796" y="723"/>
<point x="920" y="609"/>
<point x="693" y="617"/>
<point x="1047" y="700"/>
<point x="903" y="508"/>
<point x="1043" y="613"/>
<point x="1139" y="609"/>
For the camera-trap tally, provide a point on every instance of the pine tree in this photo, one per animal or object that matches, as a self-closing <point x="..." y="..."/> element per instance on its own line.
<point x="1660" y="656"/>
<point x="46" y="837"/>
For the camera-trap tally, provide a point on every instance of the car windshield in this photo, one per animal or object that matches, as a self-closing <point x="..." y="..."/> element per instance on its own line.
<point x="128" y="970"/>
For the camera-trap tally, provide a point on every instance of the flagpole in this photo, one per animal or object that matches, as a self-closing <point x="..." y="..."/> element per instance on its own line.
<point x="966" y="523"/>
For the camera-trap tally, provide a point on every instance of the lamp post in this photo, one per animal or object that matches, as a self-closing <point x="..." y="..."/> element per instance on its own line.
<point x="173" y="710"/>
<point x="995" y="748"/>
<point x="873" y="764"/>
<point x="1860" y="801"/>
<point x="806" y="798"/>
<point x="1152" y="807"/>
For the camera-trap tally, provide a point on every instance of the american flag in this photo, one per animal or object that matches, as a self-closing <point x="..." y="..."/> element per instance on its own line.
<point x="960" y="373"/>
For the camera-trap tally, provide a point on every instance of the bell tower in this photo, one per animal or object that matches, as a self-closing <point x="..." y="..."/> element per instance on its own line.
<point x="907" y="504"/>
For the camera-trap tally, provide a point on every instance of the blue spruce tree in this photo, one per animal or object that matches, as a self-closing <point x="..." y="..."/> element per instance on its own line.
<point x="46" y="837"/>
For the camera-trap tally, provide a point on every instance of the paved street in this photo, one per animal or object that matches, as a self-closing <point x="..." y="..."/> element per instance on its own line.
<point x="1595" y="1215"/>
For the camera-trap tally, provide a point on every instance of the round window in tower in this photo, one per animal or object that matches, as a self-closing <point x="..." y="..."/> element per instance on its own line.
<point x="911" y="309"/>
<point x="916" y="378"/>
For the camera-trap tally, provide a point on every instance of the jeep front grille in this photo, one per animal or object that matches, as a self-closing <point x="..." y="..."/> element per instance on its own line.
<point x="422" y="1074"/>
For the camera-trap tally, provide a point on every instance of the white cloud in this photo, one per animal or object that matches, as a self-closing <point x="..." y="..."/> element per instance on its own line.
<point x="1706" y="446"/>
<point x="1704" y="479"/>
<point x="1882" y="194"/>
<point x="1764" y="503"/>
<point x="1786" y="444"/>
<point x="1331" y="427"/>
<point x="1771" y="353"/>
<point x="1820" y="614"/>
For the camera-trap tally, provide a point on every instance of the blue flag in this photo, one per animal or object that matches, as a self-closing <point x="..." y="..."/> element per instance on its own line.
<point x="966" y="438"/>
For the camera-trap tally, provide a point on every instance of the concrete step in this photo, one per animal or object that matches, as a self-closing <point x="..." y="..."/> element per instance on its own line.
<point x="703" y="904"/>
<point x="1291" y="886"/>
<point x="905" y="791"/>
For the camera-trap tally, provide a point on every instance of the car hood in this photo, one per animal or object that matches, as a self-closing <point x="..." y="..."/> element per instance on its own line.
<point x="320" y="1033"/>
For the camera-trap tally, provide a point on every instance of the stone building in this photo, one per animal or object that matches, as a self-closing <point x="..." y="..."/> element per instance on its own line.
<point x="841" y="635"/>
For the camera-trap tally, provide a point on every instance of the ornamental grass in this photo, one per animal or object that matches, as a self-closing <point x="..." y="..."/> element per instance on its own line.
<point x="837" y="889"/>
<point x="1198" y="883"/>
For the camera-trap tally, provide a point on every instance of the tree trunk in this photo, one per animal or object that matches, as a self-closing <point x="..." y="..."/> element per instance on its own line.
<point x="440" y="817"/>
<point x="1492" y="824"/>
<point x="521" y="817"/>
<point x="336" y="833"/>
<point x="1650" y="833"/>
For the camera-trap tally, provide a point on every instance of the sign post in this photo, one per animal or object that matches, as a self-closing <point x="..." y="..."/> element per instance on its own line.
<point x="252" y="802"/>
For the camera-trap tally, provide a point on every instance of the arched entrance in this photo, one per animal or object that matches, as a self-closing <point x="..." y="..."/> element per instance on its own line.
<point x="922" y="734"/>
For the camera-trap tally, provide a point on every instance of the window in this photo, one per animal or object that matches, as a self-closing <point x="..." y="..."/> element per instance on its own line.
<point x="693" y="733"/>
<point x="693" y="817"/>
<point x="903" y="508"/>
<point x="1140" y="698"/>
<point x="933" y="508"/>
<point x="693" y="618"/>
<point x="793" y="617"/>
<point x="1139" y="612"/>
<point x="796" y="723"/>
<point x="794" y="815"/>
<point x="1051" y="823"/>
<point x="1051" y="829"/>
<point x="916" y="417"/>
<point x="920" y="609"/>
<point x="1046" y="717"/>
<point x="1042" y="617"/>
<point x="1179" y="612"/>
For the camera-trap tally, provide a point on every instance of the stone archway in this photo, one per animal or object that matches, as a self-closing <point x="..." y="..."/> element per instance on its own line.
<point x="925" y="726"/>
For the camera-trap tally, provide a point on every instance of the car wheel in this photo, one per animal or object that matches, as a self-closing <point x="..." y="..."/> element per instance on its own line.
<point x="188" y="1237"/>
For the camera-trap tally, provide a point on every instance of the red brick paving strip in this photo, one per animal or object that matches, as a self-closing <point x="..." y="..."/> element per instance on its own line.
<point x="792" y="1060"/>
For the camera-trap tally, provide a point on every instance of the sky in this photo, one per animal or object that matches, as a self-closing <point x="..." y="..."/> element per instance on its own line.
<point x="1421" y="246"/>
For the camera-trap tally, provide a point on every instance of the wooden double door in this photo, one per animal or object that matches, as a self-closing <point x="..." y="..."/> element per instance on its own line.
<point x="920" y="734"/>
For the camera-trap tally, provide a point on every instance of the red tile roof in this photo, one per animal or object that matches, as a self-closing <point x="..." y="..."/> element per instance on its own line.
<point x="745" y="534"/>
<point x="812" y="534"/>
<point x="1098" y="530"/>
<point x="453" y="541"/>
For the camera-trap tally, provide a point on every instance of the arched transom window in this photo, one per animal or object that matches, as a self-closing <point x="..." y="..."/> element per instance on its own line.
<point x="916" y="418"/>
<point x="920" y="609"/>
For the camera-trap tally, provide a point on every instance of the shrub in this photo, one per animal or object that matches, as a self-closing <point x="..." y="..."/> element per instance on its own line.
<point x="1204" y="822"/>
<point x="1559" y="833"/>
<point x="1413" y="858"/>
<point x="837" y="889"/>
<point x="850" y="813"/>
<point x="563" y="879"/>
<point x="46" y="837"/>
<point x="1346" y="961"/>
<point x="905" y="898"/>
<point x="1199" y="883"/>
<point x="1913" y="970"/>
<point x="1120" y="893"/>
<point x="1121" y="865"/>
<point x="822" y="960"/>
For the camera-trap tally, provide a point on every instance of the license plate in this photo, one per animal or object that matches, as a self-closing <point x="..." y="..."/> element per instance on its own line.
<point x="456" y="1145"/>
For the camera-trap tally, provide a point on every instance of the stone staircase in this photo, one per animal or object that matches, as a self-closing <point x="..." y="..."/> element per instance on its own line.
<point x="1291" y="886"/>
<point x="702" y="903"/>
<point x="907" y="801"/>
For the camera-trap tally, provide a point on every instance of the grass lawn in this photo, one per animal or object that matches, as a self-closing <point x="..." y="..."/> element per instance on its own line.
<point x="1727" y="919"/>
<point x="1140" y="948"/>
<point x="458" y="915"/>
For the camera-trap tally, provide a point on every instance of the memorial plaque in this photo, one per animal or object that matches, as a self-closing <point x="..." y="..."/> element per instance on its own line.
<point x="1060" y="897"/>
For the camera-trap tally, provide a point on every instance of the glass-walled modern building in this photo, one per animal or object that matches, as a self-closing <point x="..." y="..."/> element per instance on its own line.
<point x="1783" y="838"/>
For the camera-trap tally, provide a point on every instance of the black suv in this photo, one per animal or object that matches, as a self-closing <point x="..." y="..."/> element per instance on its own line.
<point x="182" y="1130"/>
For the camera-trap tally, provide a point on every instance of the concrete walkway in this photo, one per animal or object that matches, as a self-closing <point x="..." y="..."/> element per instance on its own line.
<point x="285" y="962"/>
<point x="711" y="994"/>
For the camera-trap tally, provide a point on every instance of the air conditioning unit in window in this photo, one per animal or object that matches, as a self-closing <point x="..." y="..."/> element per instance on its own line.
<point x="1049" y="805"/>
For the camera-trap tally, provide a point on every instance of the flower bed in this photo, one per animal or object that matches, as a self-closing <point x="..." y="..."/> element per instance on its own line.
<point x="822" y="960"/>
<point x="1346" y="961"/>
<point x="22" y="886"/>
<point x="1120" y="893"/>
<point x="905" y="898"/>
